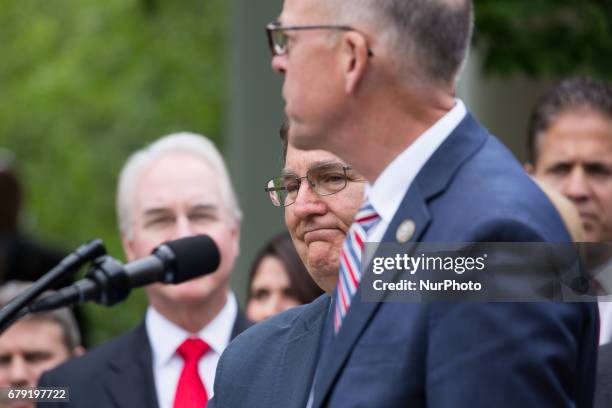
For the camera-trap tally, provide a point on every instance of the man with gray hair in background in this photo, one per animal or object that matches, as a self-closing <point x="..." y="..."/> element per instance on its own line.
<point x="373" y="82"/>
<point x="34" y="344"/>
<point x="176" y="187"/>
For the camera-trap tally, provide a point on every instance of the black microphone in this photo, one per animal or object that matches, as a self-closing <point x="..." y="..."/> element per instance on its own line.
<point x="109" y="282"/>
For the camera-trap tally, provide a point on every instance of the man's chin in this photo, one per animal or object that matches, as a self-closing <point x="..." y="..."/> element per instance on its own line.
<point x="592" y="233"/>
<point x="299" y="137"/>
<point x="319" y="248"/>
<point x="323" y="257"/>
<point x="299" y="142"/>
<point x="595" y="235"/>
<point x="185" y="293"/>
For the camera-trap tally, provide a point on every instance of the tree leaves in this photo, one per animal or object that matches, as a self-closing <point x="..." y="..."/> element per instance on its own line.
<point x="545" y="38"/>
<point x="83" y="83"/>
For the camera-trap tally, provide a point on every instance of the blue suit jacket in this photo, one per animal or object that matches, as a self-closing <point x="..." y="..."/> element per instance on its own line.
<point x="465" y="354"/>
<point x="272" y="363"/>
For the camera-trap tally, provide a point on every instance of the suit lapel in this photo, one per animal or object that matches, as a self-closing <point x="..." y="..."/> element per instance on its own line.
<point x="360" y="313"/>
<point x="129" y="381"/>
<point x="431" y="181"/>
<point x="299" y="358"/>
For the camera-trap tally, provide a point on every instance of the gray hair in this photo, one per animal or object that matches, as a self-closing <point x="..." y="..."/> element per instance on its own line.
<point x="193" y="144"/>
<point x="570" y="94"/>
<point x="62" y="317"/>
<point x="430" y="37"/>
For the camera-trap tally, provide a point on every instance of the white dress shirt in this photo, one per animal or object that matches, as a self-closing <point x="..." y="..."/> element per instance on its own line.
<point x="165" y="337"/>
<point x="603" y="275"/>
<point x="388" y="190"/>
<point x="605" y="322"/>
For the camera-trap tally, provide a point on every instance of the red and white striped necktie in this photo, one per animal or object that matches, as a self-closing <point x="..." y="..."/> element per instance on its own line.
<point x="350" y="261"/>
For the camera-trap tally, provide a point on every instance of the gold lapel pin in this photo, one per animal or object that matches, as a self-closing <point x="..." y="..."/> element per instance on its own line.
<point x="405" y="231"/>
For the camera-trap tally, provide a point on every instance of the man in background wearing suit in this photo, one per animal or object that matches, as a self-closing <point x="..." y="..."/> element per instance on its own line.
<point x="282" y="350"/>
<point x="176" y="187"/>
<point x="570" y="149"/>
<point x="373" y="81"/>
<point x="34" y="344"/>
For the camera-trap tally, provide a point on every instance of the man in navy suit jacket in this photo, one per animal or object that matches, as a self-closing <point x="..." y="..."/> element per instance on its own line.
<point x="273" y="363"/>
<point x="374" y="82"/>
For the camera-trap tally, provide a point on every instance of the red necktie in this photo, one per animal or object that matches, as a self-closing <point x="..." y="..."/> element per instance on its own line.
<point x="190" y="391"/>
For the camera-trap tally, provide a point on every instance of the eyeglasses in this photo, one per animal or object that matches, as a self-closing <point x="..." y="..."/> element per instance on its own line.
<point x="326" y="179"/>
<point x="278" y="39"/>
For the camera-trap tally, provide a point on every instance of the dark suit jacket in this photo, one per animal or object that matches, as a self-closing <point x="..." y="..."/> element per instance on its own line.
<point x="603" y="387"/>
<point x="272" y="364"/>
<point x="466" y="354"/>
<point x="117" y="374"/>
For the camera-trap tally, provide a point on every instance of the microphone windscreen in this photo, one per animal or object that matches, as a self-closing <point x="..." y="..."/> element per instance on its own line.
<point x="194" y="256"/>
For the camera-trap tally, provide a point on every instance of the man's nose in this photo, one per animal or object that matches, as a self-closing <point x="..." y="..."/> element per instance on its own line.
<point x="20" y="374"/>
<point x="307" y="202"/>
<point x="279" y="63"/>
<point x="576" y="186"/>
<point x="183" y="228"/>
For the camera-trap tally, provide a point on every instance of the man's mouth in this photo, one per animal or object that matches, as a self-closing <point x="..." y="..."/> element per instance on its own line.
<point x="319" y="234"/>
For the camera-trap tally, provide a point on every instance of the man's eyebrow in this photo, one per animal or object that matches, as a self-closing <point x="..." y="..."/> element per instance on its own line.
<point x="597" y="166"/>
<point x="151" y="212"/>
<point x="288" y="170"/>
<point x="561" y="162"/>
<point x="163" y="210"/>
<point x="204" y="207"/>
<point x="599" y="162"/>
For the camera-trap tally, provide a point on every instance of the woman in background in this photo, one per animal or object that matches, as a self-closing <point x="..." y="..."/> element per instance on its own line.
<point x="278" y="280"/>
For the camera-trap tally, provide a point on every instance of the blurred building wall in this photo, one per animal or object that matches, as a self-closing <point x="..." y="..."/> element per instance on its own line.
<point x="503" y="105"/>
<point x="254" y="117"/>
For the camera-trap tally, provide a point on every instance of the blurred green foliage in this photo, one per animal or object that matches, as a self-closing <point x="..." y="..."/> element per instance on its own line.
<point x="545" y="38"/>
<point x="85" y="82"/>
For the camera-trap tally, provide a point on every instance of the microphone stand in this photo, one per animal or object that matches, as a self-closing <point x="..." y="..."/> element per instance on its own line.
<point x="107" y="283"/>
<point x="12" y="311"/>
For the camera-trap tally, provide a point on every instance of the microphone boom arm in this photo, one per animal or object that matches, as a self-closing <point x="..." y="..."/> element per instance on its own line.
<point x="12" y="311"/>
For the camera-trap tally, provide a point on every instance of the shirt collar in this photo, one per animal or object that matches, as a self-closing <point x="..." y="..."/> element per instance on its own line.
<point x="165" y="337"/>
<point x="388" y="190"/>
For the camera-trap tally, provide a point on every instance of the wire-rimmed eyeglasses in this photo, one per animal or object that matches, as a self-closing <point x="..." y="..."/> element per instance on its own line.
<point x="325" y="179"/>
<point x="277" y="39"/>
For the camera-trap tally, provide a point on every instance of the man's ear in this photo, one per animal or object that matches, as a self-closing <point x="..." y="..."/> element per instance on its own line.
<point x="355" y="59"/>
<point x="78" y="351"/>
<point x="236" y="236"/>
<point x="127" y="248"/>
<point x="529" y="168"/>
